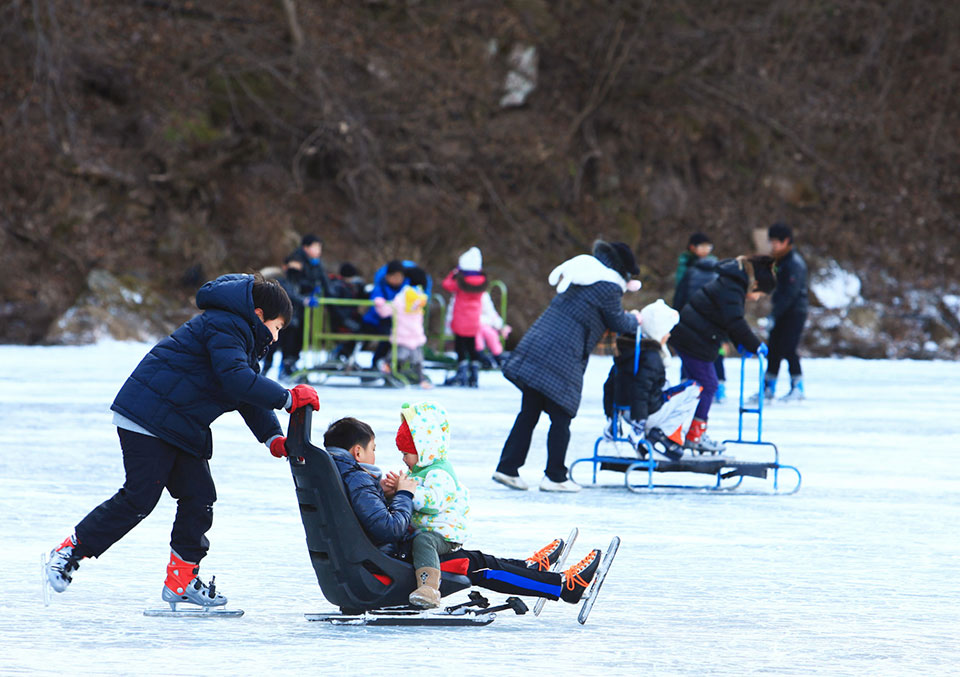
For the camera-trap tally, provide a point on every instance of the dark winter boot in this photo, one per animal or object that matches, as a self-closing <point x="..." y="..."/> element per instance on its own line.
<point x="184" y="585"/>
<point x="473" y="374"/>
<point x="427" y="596"/>
<point x="664" y="444"/>
<point x="547" y="556"/>
<point x="577" y="578"/>
<point x="63" y="561"/>
<point x="462" y="375"/>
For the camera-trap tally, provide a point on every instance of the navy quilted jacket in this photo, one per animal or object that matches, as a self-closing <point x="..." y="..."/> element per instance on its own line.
<point x="552" y="355"/>
<point x="714" y="312"/>
<point x="207" y="367"/>
<point x="387" y="525"/>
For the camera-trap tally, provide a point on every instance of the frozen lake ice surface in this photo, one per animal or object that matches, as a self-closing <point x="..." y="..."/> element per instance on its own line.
<point x="853" y="575"/>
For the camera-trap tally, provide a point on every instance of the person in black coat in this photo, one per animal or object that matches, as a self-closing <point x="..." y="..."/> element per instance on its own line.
<point x="163" y="412"/>
<point x="695" y="268"/>
<point x="305" y="272"/>
<point x="789" y="313"/>
<point x="548" y="363"/>
<point x="637" y="381"/>
<point x="384" y="509"/>
<point x="712" y="314"/>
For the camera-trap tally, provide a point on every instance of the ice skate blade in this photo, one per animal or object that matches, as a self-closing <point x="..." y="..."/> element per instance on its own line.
<point x="558" y="565"/>
<point x="44" y="579"/>
<point x="194" y="612"/>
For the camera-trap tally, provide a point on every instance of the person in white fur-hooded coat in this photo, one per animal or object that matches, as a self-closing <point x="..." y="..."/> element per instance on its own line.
<point x="549" y="362"/>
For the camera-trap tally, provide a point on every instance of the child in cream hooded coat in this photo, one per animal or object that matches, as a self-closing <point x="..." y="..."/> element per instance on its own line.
<point x="440" y="503"/>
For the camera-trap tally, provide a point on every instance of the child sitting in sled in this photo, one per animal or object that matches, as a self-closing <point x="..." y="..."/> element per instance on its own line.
<point x="384" y="506"/>
<point x="637" y="380"/>
<point x="440" y="503"/>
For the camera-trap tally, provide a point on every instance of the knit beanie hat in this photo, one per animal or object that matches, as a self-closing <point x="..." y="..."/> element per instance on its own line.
<point x="471" y="260"/>
<point x="616" y="255"/>
<point x="658" y="319"/>
<point x="405" y="438"/>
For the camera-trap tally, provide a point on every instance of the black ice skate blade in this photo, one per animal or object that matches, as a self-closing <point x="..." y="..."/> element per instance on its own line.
<point x="401" y="617"/>
<point x="215" y="612"/>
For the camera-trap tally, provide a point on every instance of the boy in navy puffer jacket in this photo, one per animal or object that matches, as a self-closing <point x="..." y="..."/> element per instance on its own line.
<point x="163" y="412"/>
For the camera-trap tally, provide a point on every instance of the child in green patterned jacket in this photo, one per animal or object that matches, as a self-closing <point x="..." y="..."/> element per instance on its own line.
<point x="440" y="503"/>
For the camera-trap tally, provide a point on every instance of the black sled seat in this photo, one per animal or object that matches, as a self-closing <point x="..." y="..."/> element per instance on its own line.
<point x="353" y="574"/>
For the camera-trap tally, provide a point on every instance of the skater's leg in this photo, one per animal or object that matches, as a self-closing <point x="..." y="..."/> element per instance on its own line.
<point x="508" y="576"/>
<point x="558" y="439"/>
<point x="428" y="546"/>
<point x="792" y="331"/>
<point x="515" y="449"/>
<point x="674" y="417"/>
<point x="705" y="375"/>
<point x="192" y="485"/>
<point x="147" y="462"/>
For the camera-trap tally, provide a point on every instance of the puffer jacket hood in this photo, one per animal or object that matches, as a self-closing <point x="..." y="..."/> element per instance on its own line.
<point x="233" y="293"/>
<point x="430" y="431"/>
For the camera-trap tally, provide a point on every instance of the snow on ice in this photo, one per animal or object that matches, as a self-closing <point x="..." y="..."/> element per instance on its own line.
<point x="853" y="575"/>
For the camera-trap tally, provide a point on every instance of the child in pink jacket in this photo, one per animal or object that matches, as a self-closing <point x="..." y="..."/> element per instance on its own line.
<point x="407" y="309"/>
<point x="467" y="282"/>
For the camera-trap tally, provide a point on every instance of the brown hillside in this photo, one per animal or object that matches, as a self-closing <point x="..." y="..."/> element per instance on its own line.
<point x="172" y="141"/>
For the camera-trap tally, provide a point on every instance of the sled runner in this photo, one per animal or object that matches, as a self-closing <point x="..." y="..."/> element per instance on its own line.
<point x="370" y="587"/>
<point x="728" y="473"/>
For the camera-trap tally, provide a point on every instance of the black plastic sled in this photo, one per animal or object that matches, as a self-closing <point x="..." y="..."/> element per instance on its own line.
<point x="353" y="574"/>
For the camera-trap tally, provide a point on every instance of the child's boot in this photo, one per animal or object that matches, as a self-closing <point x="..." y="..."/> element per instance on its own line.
<point x="427" y="596"/>
<point x="63" y="561"/>
<point x="697" y="439"/>
<point x="796" y="390"/>
<point x="664" y="444"/>
<point x="577" y="578"/>
<point x="460" y="378"/>
<point x="547" y="556"/>
<point x="473" y="374"/>
<point x="184" y="585"/>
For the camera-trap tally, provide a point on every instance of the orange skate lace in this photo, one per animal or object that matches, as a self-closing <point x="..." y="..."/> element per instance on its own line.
<point x="571" y="576"/>
<point x="542" y="556"/>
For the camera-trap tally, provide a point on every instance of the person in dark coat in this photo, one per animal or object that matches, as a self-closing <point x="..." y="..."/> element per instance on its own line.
<point x="789" y="313"/>
<point x="387" y="283"/>
<point x="386" y="519"/>
<point x="713" y="313"/>
<point x="696" y="267"/>
<point x="548" y="363"/>
<point x="637" y="381"/>
<point x="305" y="272"/>
<point x="163" y="412"/>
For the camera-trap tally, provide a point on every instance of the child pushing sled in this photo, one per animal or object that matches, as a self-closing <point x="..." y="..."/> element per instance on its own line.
<point x="163" y="412"/>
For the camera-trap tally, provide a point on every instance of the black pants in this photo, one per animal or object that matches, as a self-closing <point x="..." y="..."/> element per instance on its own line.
<point x="517" y="446"/>
<point x="784" y="339"/>
<point x="152" y="465"/>
<point x="466" y="347"/>
<point x="509" y="576"/>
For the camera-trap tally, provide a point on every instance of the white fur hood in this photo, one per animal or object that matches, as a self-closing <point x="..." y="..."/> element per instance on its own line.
<point x="584" y="270"/>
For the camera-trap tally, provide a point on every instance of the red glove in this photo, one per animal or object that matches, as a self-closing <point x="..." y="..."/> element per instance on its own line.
<point x="279" y="447"/>
<point x="304" y="396"/>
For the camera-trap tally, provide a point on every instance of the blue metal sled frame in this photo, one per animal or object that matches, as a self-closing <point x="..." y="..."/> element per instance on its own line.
<point x="721" y="468"/>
